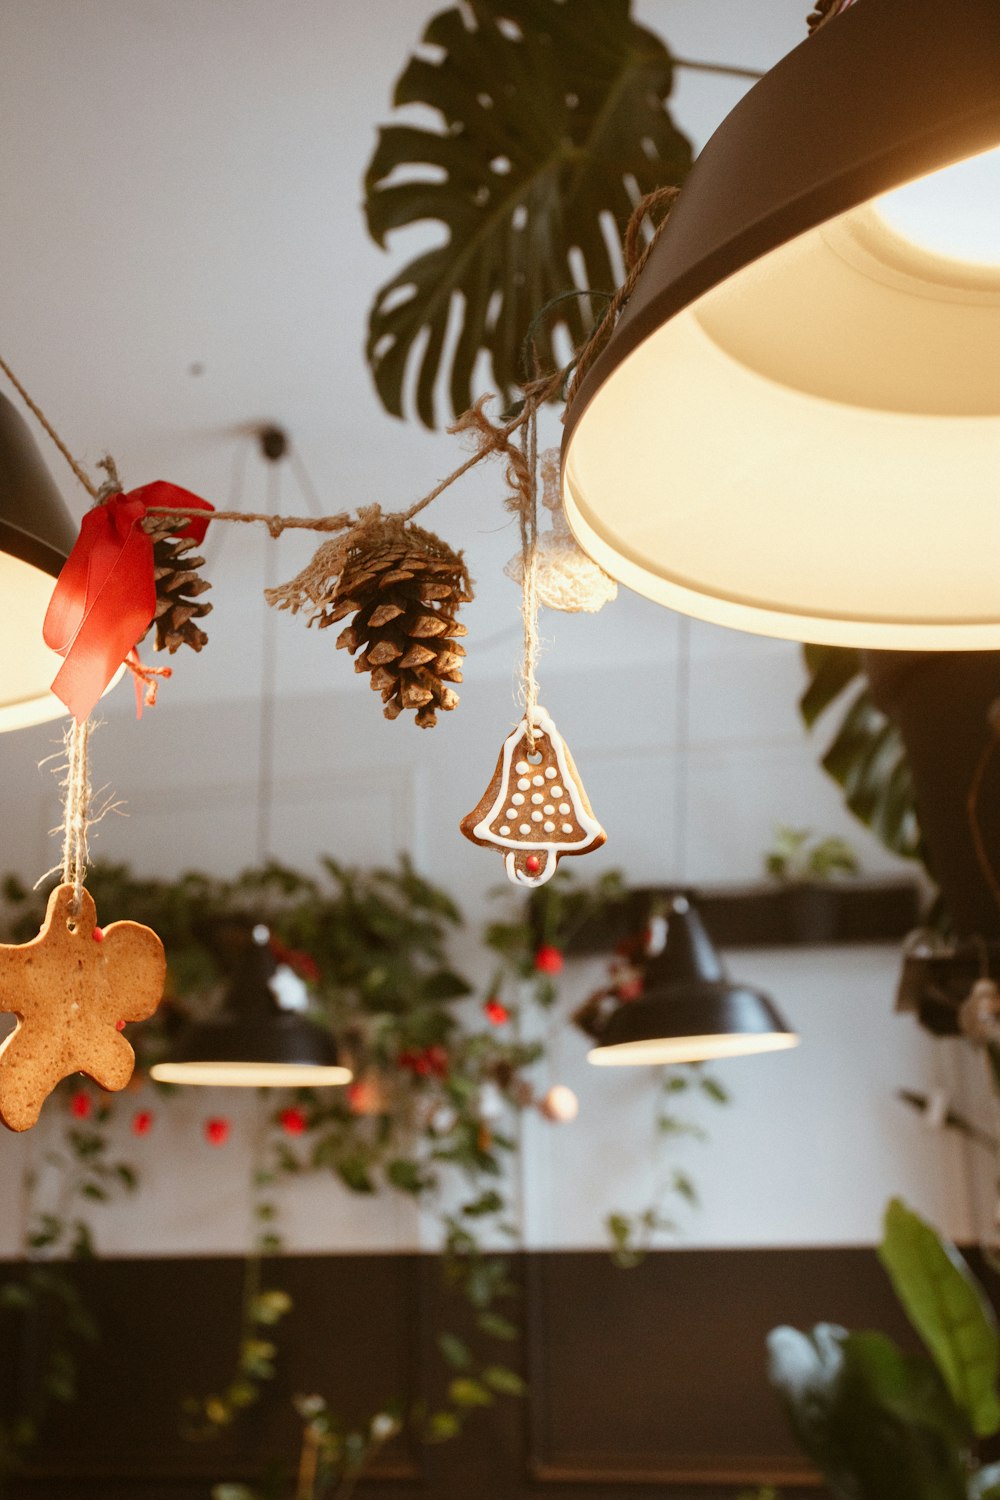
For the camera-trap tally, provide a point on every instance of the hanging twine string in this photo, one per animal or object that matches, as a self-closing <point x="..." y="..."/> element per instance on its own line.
<point x="40" y="416"/>
<point x="76" y="810"/>
<point x="636" y="252"/>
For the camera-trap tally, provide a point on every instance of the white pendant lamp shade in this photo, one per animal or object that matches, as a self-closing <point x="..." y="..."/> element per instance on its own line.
<point x="795" y="428"/>
<point x="36" y="536"/>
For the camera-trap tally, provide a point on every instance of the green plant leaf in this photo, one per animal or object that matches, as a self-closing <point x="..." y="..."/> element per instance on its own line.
<point x="866" y="756"/>
<point x="986" y="1484"/>
<point x="879" y="1424"/>
<point x="553" y="119"/>
<point x="466" y="1392"/>
<point x="456" y="1353"/>
<point x="949" y="1310"/>
<point x="504" y="1381"/>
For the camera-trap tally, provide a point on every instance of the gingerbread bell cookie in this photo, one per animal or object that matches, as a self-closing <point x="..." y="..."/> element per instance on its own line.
<point x="70" y="988"/>
<point x="535" y="809"/>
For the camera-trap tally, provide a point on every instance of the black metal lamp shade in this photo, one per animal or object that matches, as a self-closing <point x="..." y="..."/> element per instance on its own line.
<point x="795" y="427"/>
<point x="36" y="537"/>
<point x="253" y="1042"/>
<point x="690" y="1012"/>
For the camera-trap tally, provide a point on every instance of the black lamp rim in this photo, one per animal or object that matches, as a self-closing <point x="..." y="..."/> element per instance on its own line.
<point x="898" y="130"/>
<point x="284" y="1038"/>
<point x="695" y="1010"/>
<point x="28" y="548"/>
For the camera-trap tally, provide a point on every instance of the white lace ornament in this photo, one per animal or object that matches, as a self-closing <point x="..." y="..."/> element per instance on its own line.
<point x="567" y="578"/>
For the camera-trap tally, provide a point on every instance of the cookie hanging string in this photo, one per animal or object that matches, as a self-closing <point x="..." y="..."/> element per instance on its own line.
<point x="527" y="516"/>
<point x="76" y="816"/>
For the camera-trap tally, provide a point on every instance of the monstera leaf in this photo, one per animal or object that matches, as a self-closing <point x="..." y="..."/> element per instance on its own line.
<point x="554" y="122"/>
<point x="866" y="755"/>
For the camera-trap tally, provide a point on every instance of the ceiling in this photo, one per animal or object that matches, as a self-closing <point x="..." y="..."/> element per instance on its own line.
<point x="185" y="255"/>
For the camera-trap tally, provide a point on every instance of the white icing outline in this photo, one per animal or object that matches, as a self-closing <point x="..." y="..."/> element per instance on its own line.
<point x="552" y="850"/>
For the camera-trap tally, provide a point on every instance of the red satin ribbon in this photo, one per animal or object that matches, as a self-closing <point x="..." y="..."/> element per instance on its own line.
<point x="105" y="597"/>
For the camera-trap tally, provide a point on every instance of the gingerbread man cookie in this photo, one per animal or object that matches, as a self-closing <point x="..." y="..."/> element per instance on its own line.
<point x="535" y="809"/>
<point x="69" y="988"/>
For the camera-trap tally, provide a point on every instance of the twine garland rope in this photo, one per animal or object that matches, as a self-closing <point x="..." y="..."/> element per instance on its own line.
<point x="493" y="438"/>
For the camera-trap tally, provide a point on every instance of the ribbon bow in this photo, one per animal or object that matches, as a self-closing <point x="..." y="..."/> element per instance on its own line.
<point x="104" y="600"/>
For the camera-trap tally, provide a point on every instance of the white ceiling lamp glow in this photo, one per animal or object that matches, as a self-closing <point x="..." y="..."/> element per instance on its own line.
<point x="953" y="213"/>
<point x="795" y="427"/>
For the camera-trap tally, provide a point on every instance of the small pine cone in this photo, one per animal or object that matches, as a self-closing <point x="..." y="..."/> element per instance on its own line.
<point x="178" y="586"/>
<point x="402" y="594"/>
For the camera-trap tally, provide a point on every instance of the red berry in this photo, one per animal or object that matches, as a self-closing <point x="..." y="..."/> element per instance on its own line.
<point x="142" y="1122"/>
<point x="437" y="1061"/>
<point x="81" y="1105"/>
<point x="293" y="1121"/>
<point x="549" y="960"/>
<point x="496" y="1012"/>
<point x="217" y="1131"/>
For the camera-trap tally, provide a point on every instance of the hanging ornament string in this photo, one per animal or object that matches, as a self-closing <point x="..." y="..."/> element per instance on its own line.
<point x="76" y="811"/>
<point x="527" y="517"/>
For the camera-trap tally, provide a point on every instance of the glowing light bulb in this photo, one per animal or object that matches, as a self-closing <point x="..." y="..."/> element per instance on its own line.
<point x="953" y="213"/>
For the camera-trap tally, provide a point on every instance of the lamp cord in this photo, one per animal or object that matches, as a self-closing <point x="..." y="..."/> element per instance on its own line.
<point x="268" y="681"/>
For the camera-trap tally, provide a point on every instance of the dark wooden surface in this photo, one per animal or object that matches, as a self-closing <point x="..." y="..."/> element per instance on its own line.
<point x="643" y="1383"/>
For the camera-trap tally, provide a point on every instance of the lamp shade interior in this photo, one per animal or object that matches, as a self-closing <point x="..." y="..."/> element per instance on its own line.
<point x="830" y="457"/>
<point x="795" y="428"/>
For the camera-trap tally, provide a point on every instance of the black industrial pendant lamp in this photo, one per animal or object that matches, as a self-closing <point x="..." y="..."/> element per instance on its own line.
<point x="36" y="537"/>
<point x="253" y="1041"/>
<point x="795" y="426"/>
<point x="690" y="1011"/>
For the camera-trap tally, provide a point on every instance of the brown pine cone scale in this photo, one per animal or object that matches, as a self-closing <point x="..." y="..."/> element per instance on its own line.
<point x="178" y="587"/>
<point x="402" y="593"/>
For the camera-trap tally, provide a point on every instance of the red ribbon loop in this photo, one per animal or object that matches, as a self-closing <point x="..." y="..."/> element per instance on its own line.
<point x="105" y="597"/>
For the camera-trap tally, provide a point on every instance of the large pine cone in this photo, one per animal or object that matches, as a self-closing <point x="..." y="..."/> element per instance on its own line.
<point x="178" y="585"/>
<point x="403" y="594"/>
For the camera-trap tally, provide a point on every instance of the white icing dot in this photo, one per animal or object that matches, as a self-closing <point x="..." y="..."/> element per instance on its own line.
<point x="556" y="791"/>
<point x="504" y="831"/>
<point x="538" y="780"/>
<point x="521" y="767"/>
<point x="567" y="828"/>
<point x="548" y="809"/>
<point x="517" y="799"/>
<point x="523" y="784"/>
<point x="550" y="828"/>
<point x="537" y="798"/>
<point x="511" y="813"/>
<point x="550" y="772"/>
<point x="564" y="808"/>
<point x="524" y="828"/>
<point x="536" y="817"/>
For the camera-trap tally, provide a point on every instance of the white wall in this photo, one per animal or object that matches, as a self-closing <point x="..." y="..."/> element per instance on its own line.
<point x="814" y="1142"/>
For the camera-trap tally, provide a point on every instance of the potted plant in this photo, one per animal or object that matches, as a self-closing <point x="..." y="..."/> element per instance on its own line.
<point x="809" y="869"/>
<point x="881" y="1423"/>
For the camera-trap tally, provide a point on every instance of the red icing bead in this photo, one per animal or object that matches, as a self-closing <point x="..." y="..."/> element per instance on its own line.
<point x="119" y="1025"/>
<point x="98" y="934"/>
<point x="532" y="864"/>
